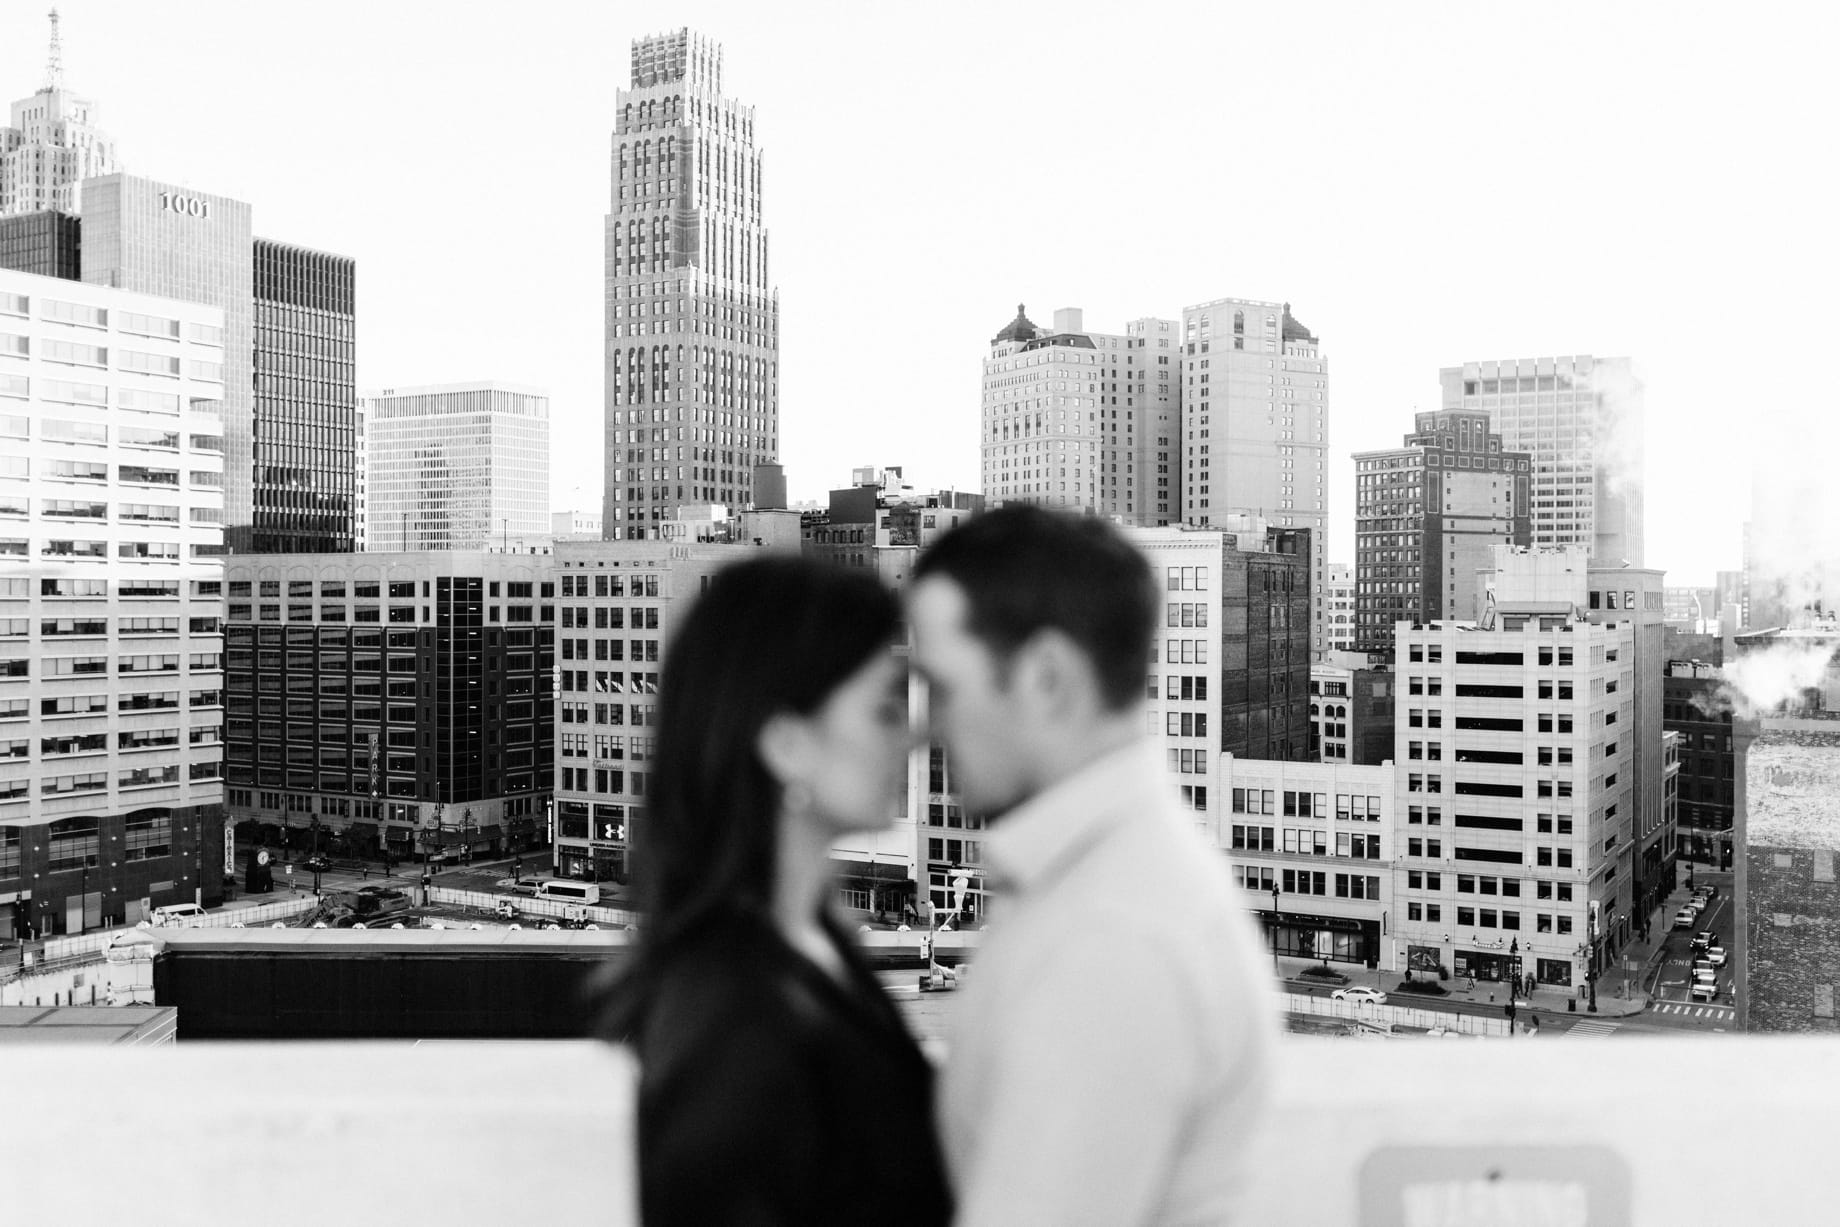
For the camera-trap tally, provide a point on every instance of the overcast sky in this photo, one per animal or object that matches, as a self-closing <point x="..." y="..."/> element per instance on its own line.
<point x="1424" y="183"/>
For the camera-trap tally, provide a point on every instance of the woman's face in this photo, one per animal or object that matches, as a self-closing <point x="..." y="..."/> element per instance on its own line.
<point x="858" y="745"/>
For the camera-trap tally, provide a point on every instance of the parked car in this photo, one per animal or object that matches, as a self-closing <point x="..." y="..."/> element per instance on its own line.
<point x="1716" y="955"/>
<point x="1684" y="918"/>
<point x="1703" y="990"/>
<point x="1706" y="891"/>
<point x="1360" y="993"/>
<point x="1705" y="939"/>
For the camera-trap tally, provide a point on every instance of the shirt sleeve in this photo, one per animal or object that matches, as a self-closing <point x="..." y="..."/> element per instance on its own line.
<point x="1091" y="1087"/>
<point x="730" y="1131"/>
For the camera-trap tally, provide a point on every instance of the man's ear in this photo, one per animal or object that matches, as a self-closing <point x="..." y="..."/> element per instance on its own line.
<point x="1054" y="675"/>
<point x="784" y="745"/>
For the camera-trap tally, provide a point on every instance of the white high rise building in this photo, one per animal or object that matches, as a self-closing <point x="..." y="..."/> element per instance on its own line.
<point x="51" y="145"/>
<point x="1085" y="420"/>
<point x="456" y="466"/>
<point x="691" y="342"/>
<point x="111" y="536"/>
<point x="1255" y="425"/>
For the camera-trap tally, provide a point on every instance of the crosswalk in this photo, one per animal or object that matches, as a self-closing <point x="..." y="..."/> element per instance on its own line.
<point x="1713" y="1013"/>
<point x="1593" y="1030"/>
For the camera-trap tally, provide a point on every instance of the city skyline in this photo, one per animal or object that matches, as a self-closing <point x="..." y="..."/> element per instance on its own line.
<point x="1586" y="220"/>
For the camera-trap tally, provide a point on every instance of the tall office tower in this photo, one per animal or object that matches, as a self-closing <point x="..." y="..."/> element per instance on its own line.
<point x="1517" y="759"/>
<point x="288" y="397"/>
<point x="306" y="430"/>
<point x="1255" y="424"/>
<point x="1084" y="420"/>
<point x="111" y="527"/>
<point x="1581" y="419"/>
<point x="52" y="145"/>
<point x="692" y="320"/>
<point x="1426" y="516"/>
<point x="1336" y="608"/>
<point x="460" y="466"/>
<point x="417" y="713"/>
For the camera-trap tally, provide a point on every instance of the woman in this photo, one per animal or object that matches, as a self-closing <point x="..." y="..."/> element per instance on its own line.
<point x="777" y="1085"/>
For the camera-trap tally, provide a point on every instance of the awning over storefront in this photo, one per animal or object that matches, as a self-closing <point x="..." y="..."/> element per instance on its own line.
<point x="867" y="873"/>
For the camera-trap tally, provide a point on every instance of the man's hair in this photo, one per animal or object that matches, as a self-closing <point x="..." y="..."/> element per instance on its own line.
<point x="1024" y="569"/>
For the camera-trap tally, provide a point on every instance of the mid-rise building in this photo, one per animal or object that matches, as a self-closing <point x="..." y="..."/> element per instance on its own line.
<point x="360" y="482"/>
<point x="692" y="319"/>
<point x="287" y="338"/>
<point x="1318" y="839"/>
<point x="1088" y="421"/>
<point x="1351" y="712"/>
<point x="1255" y="424"/>
<point x="1426" y="516"/>
<point x="390" y="704"/>
<point x="1581" y="419"/>
<point x="51" y="145"/>
<point x="1695" y="710"/>
<point x="620" y="600"/>
<point x="1336" y="607"/>
<point x="1517" y="754"/>
<point x="111" y="583"/>
<point x="1613" y="594"/>
<point x="457" y="466"/>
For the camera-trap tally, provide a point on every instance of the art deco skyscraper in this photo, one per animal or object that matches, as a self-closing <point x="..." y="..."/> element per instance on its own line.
<point x="51" y="145"/>
<point x="692" y="325"/>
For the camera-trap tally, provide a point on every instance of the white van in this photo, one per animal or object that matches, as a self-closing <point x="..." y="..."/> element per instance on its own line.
<point x="586" y="893"/>
<point x="178" y="916"/>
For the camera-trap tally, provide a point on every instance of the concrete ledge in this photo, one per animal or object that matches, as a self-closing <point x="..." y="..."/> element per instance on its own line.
<point x="450" y="1133"/>
<point x="495" y="1133"/>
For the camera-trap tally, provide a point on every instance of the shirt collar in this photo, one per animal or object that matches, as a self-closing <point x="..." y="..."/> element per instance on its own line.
<point x="1042" y="836"/>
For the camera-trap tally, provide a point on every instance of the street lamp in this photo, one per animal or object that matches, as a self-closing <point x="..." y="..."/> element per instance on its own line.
<point x="1274" y="931"/>
<point x="1590" y="966"/>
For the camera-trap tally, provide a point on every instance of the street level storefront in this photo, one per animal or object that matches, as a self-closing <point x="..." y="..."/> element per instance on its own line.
<point x="885" y="891"/>
<point x="1333" y="939"/>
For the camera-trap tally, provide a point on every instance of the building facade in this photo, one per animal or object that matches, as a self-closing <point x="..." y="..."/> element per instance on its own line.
<point x="456" y="466"/>
<point x="692" y="320"/>
<point x="51" y="145"/>
<point x="1351" y="714"/>
<point x="619" y="602"/>
<point x="1695" y="710"/>
<point x="1087" y="421"/>
<point x="49" y="244"/>
<point x="304" y="475"/>
<point x="1336" y="607"/>
<point x="1312" y="846"/>
<point x="1426" y="516"/>
<point x="1255" y="424"/>
<point x="390" y="705"/>
<point x="1581" y="419"/>
<point x="111" y="673"/>
<point x="1516" y="757"/>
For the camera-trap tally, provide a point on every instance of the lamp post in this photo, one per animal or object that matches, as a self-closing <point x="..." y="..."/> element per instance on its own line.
<point x="1590" y="966"/>
<point x="1274" y="931"/>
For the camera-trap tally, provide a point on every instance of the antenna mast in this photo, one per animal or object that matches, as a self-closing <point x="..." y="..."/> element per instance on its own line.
<point x="54" y="65"/>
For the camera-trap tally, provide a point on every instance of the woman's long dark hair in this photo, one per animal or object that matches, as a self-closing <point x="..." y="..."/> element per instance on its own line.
<point x="768" y="635"/>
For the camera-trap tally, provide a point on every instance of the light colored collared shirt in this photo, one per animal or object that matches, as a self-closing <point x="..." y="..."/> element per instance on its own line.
<point x="1108" y="1061"/>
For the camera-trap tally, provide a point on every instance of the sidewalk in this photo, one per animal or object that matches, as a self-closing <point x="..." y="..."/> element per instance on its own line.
<point x="1611" y="1000"/>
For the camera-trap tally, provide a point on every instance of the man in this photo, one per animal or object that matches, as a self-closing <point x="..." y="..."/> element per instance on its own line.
<point x="1108" y="1062"/>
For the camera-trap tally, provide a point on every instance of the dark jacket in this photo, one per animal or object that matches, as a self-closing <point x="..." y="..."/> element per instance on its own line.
<point x="771" y="1093"/>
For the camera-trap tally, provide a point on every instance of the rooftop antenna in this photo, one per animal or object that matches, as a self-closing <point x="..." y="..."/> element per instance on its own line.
<point x="54" y="64"/>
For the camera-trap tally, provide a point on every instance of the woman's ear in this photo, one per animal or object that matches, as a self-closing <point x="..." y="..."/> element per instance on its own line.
<point x="785" y="747"/>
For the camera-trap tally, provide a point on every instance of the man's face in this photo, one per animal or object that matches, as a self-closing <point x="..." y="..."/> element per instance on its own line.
<point x="974" y="711"/>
